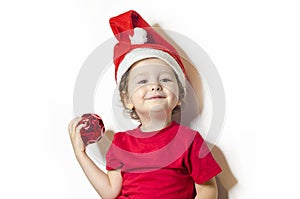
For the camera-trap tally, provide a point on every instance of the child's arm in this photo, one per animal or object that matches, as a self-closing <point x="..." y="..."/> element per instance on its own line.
<point x="107" y="185"/>
<point x="207" y="190"/>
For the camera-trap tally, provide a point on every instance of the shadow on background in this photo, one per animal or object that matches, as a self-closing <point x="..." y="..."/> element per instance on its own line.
<point x="225" y="180"/>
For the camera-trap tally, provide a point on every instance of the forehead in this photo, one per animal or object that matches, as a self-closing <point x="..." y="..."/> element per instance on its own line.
<point x="150" y="65"/>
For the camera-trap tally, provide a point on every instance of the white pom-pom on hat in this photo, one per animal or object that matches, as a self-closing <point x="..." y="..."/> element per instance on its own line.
<point x="139" y="36"/>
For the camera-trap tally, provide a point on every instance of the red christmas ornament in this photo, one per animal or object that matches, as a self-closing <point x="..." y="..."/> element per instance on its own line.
<point x="94" y="129"/>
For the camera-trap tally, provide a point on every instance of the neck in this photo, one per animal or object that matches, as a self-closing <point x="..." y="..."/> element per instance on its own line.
<point x="155" y="121"/>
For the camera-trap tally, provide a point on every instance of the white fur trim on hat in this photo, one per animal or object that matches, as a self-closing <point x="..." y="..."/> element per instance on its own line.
<point x="143" y="53"/>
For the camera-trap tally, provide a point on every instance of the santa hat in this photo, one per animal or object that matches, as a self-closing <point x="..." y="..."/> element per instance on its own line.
<point x="137" y="40"/>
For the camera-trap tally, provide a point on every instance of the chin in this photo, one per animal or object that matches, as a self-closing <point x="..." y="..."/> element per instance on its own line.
<point x="159" y="110"/>
<point x="157" y="107"/>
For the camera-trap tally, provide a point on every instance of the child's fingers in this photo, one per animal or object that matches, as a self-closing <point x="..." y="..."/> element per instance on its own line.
<point x="75" y="134"/>
<point x="70" y="125"/>
<point x="79" y="127"/>
<point x="74" y="123"/>
<point x="76" y="139"/>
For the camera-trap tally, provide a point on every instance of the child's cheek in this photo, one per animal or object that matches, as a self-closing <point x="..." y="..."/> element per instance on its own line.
<point x="137" y="95"/>
<point x="133" y="90"/>
<point x="172" y="88"/>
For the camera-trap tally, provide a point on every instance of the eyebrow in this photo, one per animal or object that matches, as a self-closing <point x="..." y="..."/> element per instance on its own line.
<point x="135" y="76"/>
<point x="168" y="72"/>
<point x="138" y="75"/>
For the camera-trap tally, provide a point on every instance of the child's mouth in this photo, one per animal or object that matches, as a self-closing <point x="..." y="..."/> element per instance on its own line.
<point x="155" y="97"/>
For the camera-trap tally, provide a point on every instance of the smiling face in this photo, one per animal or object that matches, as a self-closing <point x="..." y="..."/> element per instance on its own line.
<point x="152" y="87"/>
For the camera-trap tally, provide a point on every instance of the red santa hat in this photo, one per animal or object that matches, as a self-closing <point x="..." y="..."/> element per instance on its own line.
<point x="137" y="40"/>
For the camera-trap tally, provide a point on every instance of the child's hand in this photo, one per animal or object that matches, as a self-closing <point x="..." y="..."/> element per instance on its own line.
<point x="74" y="131"/>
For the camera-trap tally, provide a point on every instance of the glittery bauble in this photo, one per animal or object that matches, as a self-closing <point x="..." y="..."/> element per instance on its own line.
<point x="94" y="129"/>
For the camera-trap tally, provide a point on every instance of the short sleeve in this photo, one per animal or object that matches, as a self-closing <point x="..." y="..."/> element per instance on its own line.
<point x="113" y="162"/>
<point x="200" y="163"/>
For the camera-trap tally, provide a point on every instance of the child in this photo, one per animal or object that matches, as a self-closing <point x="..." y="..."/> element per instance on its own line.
<point x="159" y="158"/>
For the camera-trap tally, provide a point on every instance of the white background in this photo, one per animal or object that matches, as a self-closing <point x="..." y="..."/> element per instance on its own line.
<point x="254" y="44"/>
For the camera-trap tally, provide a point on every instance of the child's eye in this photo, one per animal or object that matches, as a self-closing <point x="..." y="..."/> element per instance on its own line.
<point x="165" y="80"/>
<point x="142" y="82"/>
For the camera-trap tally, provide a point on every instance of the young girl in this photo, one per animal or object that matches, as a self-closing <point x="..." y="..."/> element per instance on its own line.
<point x="159" y="158"/>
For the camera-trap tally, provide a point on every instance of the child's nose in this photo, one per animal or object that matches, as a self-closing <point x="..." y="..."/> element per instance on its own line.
<point x="156" y="87"/>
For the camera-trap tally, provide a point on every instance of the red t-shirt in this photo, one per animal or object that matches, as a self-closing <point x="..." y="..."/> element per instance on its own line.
<point x="161" y="164"/>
